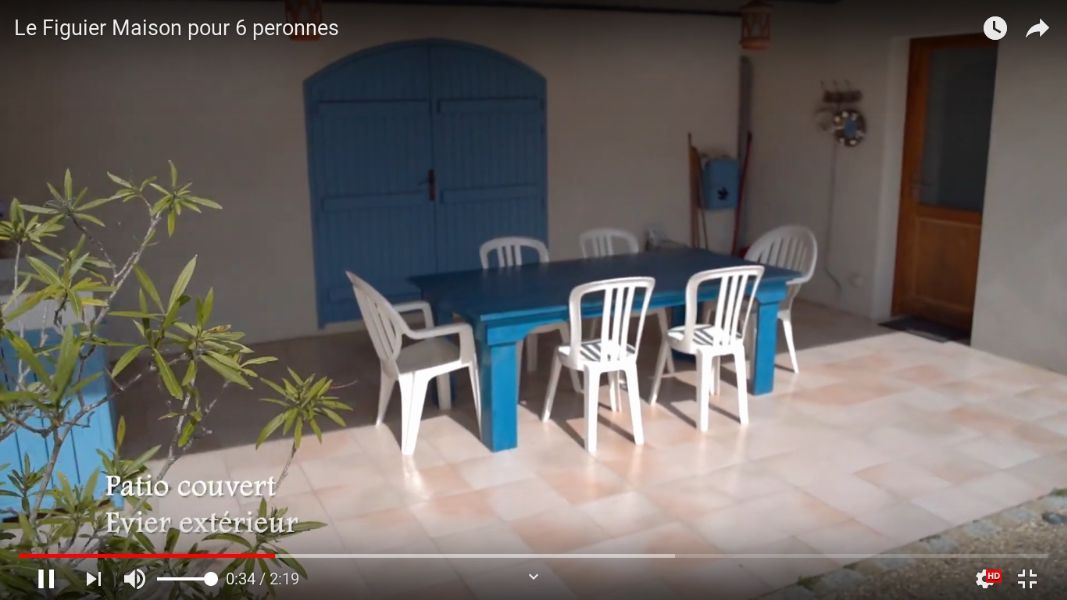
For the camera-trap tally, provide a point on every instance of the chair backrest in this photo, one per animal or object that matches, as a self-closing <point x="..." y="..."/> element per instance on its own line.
<point x="731" y="308"/>
<point x="384" y="324"/>
<point x="790" y="247"/>
<point x="619" y="297"/>
<point x="508" y="251"/>
<point x="607" y="242"/>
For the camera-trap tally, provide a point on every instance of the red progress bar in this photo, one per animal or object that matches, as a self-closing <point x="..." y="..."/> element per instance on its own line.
<point x="163" y="555"/>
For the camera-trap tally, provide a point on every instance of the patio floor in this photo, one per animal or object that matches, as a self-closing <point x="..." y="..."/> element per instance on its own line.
<point x="882" y="439"/>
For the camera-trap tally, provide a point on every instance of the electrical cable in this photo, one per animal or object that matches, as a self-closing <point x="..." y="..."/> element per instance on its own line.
<point x="830" y="217"/>
<point x="703" y="213"/>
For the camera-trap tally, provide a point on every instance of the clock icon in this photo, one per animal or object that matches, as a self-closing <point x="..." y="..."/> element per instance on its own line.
<point x="995" y="28"/>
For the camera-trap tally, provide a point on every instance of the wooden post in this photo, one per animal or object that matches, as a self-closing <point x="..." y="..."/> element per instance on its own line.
<point x="694" y="194"/>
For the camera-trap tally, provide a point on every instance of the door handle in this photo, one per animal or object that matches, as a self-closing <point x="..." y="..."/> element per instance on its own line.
<point x="431" y="180"/>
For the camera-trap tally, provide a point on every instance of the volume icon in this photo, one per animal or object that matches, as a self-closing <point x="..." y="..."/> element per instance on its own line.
<point x="135" y="579"/>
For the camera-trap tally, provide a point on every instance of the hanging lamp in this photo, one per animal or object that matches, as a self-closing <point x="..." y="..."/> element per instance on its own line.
<point x="756" y="25"/>
<point x="303" y="11"/>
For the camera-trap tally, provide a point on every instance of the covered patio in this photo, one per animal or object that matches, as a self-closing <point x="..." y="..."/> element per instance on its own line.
<point x="883" y="439"/>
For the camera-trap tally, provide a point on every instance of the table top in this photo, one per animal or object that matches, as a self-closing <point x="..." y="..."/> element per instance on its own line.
<point x="539" y="287"/>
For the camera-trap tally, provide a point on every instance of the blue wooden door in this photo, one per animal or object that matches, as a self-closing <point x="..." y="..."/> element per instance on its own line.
<point x="369" y="146"/>
<point x="418" y="152"/>
<point x="489" y="151"/>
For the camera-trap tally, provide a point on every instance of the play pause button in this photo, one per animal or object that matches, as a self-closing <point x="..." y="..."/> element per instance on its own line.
<point x="46" y="580"/>
<point x="91" y="578"/>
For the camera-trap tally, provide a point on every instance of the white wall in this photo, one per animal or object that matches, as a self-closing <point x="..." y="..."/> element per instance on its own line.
<point x="1020" y="308"/>
<point x="623" y="91"/>
<point x="867" y="44"/>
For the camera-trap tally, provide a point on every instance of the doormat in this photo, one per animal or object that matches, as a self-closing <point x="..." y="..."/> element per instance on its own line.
<point x="927" y="329"/>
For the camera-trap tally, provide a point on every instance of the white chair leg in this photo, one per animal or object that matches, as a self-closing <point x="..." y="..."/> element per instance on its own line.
<point x="476" y="391"/>
<point x="405" y="382"/>
<point x="444" y="391"/>
<point x="592" y="404"/>
<point x="531" y="353"/>
<point x="416" y="400"/>
<point x="634" y="396"/>
<point x="550" y="392"/>
<point x="657" y="379"/>
<point x="613" y="390"/>
<point x="664" y="327"/>
<point x="750" y="338"/>
<point x="787" y="327"/>
<point x="716" y="383"/>
<point x="385" y="392"/>
<point x="576" y="382"/>
<point x="658" y="373"/>
<point x="742" y="386"/>
<point x="704" y="375"/>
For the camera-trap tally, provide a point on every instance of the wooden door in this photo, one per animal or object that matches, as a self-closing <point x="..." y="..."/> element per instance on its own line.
<point x="418" y="152"/>
<point x="370" y="158"/>
<point x="946" y="146"/>
<point x="489" y="151"/>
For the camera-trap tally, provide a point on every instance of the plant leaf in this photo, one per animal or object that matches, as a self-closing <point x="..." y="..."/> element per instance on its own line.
<point x="270" y="428"/>
<point x="181" y="283"/>
<point x="126" y="358"/>
<point x="165" y="373"/>
<point x="148" y="286"/>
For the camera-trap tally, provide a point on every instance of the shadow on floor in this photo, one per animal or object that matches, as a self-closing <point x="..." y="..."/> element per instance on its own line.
<point x="349" y="359"/>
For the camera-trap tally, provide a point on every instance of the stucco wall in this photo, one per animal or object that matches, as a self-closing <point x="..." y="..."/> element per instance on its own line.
<point x="1017" y="306"/>
<point x="623" y="91"/>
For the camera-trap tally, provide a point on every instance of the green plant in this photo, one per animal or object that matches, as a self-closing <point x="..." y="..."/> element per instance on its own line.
<point x="75" y="286"/>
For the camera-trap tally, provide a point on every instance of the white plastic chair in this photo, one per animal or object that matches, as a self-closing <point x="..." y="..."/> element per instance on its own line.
<point x="790" y="247"/>
<point x="710" y="341"/>
<point x="607" y="241"/>
<point x="507" y="252"/>
<point x="611" y="351"/>
<point x="431" y="356"/>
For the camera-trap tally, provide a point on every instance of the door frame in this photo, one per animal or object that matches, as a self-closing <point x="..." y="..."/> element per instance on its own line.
<point x="911" y="158"/>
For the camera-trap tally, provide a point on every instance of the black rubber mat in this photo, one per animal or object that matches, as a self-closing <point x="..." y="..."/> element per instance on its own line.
<point x="927" y="329"/>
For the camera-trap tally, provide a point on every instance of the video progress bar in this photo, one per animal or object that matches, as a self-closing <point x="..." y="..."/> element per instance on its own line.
<point x="856" y="556"/>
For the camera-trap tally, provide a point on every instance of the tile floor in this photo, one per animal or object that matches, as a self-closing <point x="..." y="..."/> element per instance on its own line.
<point x="882" y="439"/>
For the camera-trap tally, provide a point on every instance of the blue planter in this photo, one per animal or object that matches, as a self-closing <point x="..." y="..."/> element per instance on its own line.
<point x="79" y="458"/>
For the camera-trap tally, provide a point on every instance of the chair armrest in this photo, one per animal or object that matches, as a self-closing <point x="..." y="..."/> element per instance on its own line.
<point x="417" y="305"/>
<point x="463" y="330"/>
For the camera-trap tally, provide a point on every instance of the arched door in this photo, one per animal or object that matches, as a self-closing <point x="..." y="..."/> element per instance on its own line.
<point x="418" y="152"/>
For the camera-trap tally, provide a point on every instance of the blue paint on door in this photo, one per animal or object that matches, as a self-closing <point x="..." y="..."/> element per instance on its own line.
<point x="379" y="124"/>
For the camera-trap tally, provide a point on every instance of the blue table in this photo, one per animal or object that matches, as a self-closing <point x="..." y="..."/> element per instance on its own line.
<point x="504" y="305"/>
